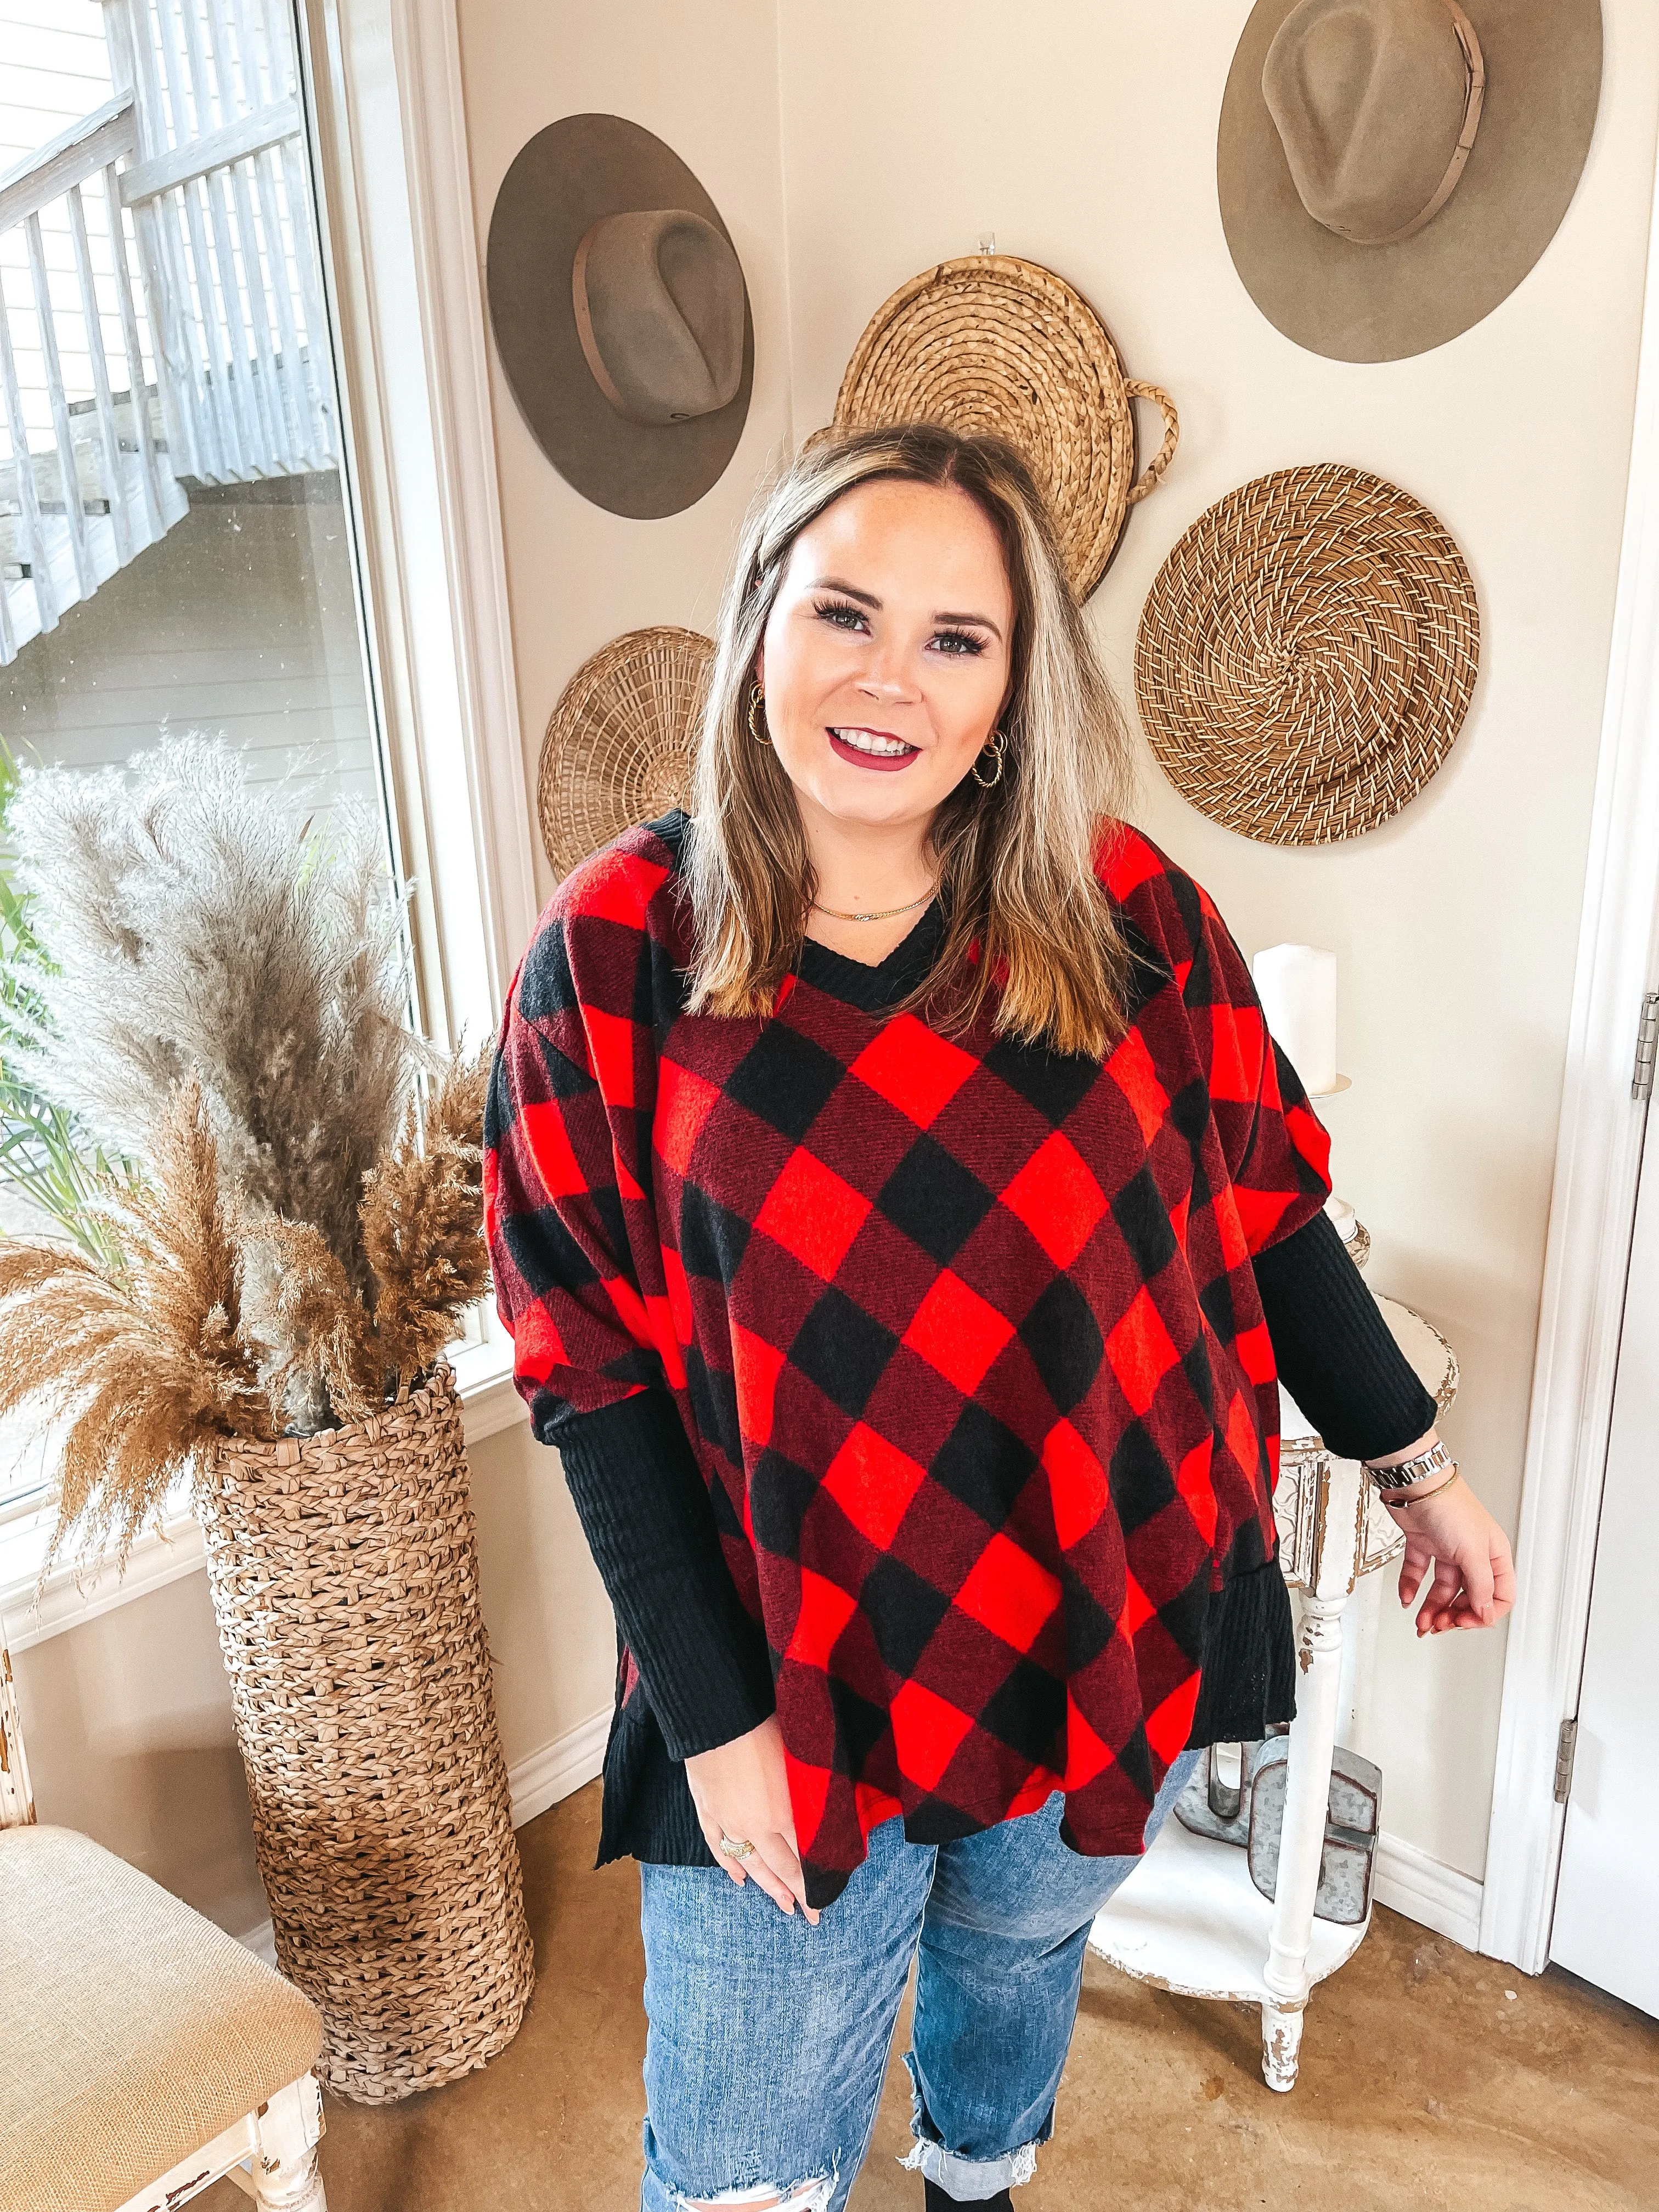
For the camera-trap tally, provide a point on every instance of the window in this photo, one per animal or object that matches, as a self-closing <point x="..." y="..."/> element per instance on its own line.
<point x="401" y="280"/>
<point x="177" y="546"/>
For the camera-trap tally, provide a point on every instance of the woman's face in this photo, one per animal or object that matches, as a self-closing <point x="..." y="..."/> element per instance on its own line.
<point x="885" y="662"/>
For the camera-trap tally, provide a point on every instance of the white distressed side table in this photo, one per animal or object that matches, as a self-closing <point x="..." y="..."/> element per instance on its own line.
<point x="1189" y="1919"/>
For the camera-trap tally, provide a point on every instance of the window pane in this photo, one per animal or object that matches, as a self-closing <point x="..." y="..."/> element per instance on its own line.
<point x="175" y="541"/>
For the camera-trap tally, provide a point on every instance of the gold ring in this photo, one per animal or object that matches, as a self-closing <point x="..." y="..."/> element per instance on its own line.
<point x="735" y="1847"/>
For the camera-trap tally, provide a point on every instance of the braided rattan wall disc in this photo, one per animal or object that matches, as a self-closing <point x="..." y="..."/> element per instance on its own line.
<point x="992" y="343"/>
<point x="1307" y="654"/>
<point x="619" y="744"/>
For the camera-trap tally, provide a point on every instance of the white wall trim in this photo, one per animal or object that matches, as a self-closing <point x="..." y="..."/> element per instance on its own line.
<point x="72" y="1594"/>
<point x="567" y="1763"/>
<point x="557" y="1771"/>
<point x="426" y="38"/>
<point x="262" y="1941"/>
<point x="1427" y="1890"/>
<point x="1592" y="1207"/>
<point x="402" y="256"/>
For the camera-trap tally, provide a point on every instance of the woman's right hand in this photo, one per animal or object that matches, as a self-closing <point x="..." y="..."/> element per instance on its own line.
<point x="741" y="1790"/>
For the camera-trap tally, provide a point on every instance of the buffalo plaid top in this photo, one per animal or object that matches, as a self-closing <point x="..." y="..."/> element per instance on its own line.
<point x="964" y="1335"/>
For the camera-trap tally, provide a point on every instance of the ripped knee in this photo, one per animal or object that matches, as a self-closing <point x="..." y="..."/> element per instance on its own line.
<point x="803" y="2196"/>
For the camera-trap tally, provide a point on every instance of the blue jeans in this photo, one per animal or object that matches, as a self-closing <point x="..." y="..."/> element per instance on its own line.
<point x="768" y="2038"/>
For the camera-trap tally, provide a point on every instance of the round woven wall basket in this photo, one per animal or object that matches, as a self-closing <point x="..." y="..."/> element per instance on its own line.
<point x="344" y="1575"/>
<point x="1307" y="654"/>
<point x="994" y="344"/>
<point x="619" y="744"/>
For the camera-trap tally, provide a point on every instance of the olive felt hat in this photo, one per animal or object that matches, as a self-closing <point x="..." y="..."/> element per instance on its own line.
<point x="621" y="314"/>
<point x="1389" y="170"/>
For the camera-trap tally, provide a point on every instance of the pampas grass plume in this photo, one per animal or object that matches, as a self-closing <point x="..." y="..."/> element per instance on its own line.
<point x="223" y="999"/>
<point x="423" y="1216"/>
<point x="145" y="1360"/>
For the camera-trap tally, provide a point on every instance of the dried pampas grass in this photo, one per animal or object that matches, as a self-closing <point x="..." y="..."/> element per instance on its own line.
<point x="211" y="990"/>
<point x="190" y="921"/>
<point x="146" y="1358"/>
<point x="423" y="1220"/>
<point x="151" y="1359"/>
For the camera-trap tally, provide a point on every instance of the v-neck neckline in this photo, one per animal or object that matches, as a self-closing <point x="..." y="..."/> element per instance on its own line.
<point x="874" y="986"/>
<point x="876" y="989"/>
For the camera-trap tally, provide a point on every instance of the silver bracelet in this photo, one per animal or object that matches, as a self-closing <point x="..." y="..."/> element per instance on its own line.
<point x="1410" y="1472"/>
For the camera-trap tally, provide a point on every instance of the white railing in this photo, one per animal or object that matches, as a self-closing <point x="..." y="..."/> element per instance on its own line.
<point x="199" y="163"/>
<point x="83" y="507"/>
<point x="219" y="197"/>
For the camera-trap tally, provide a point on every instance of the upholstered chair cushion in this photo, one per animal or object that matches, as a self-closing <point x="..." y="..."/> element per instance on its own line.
<point x="132" y="2031"/>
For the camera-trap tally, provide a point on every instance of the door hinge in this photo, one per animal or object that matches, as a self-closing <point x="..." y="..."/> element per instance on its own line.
<point x="1646" y="1048"/>
<point x="1565" y="1745"/>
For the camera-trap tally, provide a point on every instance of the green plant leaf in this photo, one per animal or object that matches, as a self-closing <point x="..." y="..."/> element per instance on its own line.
<point x="41" y="1152"/>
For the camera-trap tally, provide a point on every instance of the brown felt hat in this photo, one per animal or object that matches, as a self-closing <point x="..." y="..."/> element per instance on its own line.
<point x="1389" y="170"/>
<point x="621" y="314"/>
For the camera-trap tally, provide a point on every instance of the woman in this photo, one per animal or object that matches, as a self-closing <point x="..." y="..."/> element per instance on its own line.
<point x="903" y="1216"/>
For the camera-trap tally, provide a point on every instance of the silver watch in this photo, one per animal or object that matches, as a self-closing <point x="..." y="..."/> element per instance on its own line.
<point x="1410" y="1472"/>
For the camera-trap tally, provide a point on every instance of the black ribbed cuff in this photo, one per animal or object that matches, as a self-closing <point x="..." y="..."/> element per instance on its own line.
<point x="1335" y="1353"/>
<point x="645" y="1510"/>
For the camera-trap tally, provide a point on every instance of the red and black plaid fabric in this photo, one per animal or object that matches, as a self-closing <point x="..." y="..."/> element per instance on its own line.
<point x="965" y="1334"/>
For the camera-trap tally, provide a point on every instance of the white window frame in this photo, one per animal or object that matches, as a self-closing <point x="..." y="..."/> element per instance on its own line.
<point x="387" y="139"/>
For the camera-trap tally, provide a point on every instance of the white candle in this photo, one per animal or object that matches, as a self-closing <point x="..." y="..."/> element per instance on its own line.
<point x="1296" y="986"/>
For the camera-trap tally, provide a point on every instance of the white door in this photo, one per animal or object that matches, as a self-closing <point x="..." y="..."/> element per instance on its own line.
<point x="1606" y="1905"/>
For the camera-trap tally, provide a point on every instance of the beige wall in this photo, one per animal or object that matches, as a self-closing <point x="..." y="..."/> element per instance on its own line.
<point x="126" y="1720"/>
<point x="576" y="575"/>
<point x="1087" y="141"/>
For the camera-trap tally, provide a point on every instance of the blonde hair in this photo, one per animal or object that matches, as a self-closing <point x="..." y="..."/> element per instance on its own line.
<point x="1016" y="862"/>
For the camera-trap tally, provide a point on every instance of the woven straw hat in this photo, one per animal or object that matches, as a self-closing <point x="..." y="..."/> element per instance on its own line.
<point x="996" y="345"/>
<point x="1307" y="654"/>
<point x="619" y="742"/>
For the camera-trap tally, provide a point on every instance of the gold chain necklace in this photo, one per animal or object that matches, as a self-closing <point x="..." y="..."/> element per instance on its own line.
<point x="885" y="914"/>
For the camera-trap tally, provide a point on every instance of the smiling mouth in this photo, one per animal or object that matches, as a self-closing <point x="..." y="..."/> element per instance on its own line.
<point x="875" y="749"/>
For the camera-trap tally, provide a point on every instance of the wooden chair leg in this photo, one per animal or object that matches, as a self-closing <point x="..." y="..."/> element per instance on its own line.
<point x="285" y="2175"/>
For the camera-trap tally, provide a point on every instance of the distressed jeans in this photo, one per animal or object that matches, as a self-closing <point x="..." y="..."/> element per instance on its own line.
<point x="767" y="2038"/>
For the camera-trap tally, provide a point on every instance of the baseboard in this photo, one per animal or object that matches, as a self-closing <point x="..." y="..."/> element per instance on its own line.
<point x="571" y="1759"/>
<point x="1428" y="1890"/>
<point x="533" y="1785"/>
<point x="262" y="1941"/>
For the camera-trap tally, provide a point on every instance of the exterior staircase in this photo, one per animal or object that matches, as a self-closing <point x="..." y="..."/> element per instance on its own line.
<point x="190" y="355"/>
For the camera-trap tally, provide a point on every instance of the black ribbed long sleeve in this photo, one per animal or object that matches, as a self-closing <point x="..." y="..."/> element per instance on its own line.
<point x="1335" y="1353"/>
<point x="645" y="1510"/>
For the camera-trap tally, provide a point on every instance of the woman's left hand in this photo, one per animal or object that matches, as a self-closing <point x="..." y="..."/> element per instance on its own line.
<point x="1473" y="1582"/>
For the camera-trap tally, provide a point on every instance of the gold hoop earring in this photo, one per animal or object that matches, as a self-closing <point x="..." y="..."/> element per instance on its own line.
<point x="995" y="745"/>
<point x="756" y="703"/>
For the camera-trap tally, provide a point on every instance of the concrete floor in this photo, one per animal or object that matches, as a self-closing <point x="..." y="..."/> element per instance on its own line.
<point x="1425" y="2083"/>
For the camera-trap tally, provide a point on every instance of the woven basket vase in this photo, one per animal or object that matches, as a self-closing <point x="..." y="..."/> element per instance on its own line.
<point x="344" y="1575"/>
